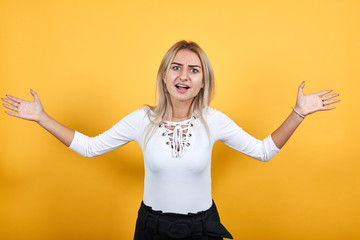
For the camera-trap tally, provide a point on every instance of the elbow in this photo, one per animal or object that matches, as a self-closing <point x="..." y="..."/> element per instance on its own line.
<point x="89" y="154"/>
<point x="265" y="158"/>
<point x="85" y="152"/>
<point x="268" y="150"/>
<point x="265" y="153"/>
<point x="81" y="144"/>
<point x="261" y="152"/>
<point x="85" y="146"/>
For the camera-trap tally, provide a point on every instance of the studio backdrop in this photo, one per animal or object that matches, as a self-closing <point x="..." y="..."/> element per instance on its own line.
<point x="94" y="62"/>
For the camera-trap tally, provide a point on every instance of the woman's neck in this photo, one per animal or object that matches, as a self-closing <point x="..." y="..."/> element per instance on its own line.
<point x="180" y="112"/>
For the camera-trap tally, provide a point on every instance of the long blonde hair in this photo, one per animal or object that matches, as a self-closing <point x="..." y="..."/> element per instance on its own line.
<point x="163" y="109"/>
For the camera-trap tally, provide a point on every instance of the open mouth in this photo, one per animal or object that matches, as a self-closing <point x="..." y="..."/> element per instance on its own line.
<point x="181" y="86"/>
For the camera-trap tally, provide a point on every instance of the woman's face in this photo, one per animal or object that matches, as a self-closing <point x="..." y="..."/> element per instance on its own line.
<point x="185" y="77"/>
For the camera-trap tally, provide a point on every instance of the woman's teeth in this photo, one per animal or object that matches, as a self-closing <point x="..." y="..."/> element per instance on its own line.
<point x="182" y="86"/>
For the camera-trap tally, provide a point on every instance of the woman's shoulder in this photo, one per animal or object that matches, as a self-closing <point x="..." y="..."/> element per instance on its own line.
<point x="214" y="117"/>
<point x="212" y="113"/>
<point x="138" y="114"/>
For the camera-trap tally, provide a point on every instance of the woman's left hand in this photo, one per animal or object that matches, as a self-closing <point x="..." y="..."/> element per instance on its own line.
<point x="308" y="104"/>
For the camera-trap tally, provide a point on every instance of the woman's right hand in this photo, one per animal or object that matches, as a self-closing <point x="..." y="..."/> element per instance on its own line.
<point x="32" y="111"/>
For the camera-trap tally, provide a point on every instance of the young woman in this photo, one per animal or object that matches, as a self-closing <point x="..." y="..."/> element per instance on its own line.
<point x="176" y="137"/>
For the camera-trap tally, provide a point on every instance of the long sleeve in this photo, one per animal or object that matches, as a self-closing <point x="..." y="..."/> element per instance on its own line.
<point x="227" y="131"/>
<point x="126" y="130"/>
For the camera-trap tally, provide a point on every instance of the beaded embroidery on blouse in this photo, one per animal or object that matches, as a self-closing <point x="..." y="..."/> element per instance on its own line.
<point x="177" y="134"/>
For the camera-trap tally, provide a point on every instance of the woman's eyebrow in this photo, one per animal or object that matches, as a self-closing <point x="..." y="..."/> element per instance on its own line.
<point x="183" y="64"/>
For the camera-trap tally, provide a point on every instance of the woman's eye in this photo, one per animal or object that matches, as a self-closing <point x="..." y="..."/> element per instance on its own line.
<point x="194" y="70"/>
<point x="176" y="68"/>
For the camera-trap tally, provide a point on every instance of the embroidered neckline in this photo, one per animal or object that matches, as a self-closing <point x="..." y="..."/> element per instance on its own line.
<point x="177" y="134"/>
<point x="171" y="122"/>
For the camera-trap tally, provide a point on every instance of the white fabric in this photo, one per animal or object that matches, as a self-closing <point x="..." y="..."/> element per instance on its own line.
<point x="178" y="134"/>
<point x="177" y="165"/>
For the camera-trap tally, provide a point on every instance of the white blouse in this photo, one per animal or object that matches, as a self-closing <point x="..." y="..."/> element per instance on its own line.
<point x="177" y="158"/>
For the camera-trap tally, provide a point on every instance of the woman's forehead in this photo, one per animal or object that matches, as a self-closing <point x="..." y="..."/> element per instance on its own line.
<point x="188" y="57"/>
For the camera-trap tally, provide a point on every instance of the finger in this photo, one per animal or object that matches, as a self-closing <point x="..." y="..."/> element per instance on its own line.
<point x="18" y="100"/>
<point x="33" y="93"/>
<point x="327" y="108"/>
<point x="324" y="98"/>
<point x="12" y="114"/>
<point x="9" y="101"/>
<point x="330" y="102"/>
<point x="322" y="93"/>
<point x="301" y="88"/>
<point x="10" y="107"/>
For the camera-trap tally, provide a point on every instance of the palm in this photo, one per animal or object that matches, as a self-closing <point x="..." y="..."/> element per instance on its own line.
<point x="29" y="110"/>
<point x="24" y="109"/>
<point x="307" y="104"/>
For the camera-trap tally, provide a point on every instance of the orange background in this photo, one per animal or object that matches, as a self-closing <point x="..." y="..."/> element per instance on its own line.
<point x="93" y="62"/>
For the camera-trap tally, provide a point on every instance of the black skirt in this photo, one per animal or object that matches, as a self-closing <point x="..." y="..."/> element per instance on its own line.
<point x="156" y="225"/>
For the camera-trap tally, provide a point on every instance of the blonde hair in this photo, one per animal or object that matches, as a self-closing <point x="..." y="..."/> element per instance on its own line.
<point x="163" y="109"/>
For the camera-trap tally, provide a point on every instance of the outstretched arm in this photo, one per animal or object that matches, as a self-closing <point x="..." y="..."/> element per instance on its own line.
<point x="305" y="105"/>
<point x="34" y="111"/>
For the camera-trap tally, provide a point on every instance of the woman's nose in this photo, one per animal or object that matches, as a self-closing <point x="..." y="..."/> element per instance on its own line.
<point x="184" y="75"/>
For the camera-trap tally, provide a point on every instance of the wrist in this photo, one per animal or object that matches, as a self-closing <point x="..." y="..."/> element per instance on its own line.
<point x="298" y="113"/>
<point x="301" y="110"/>
<point x="43" y="118"/>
